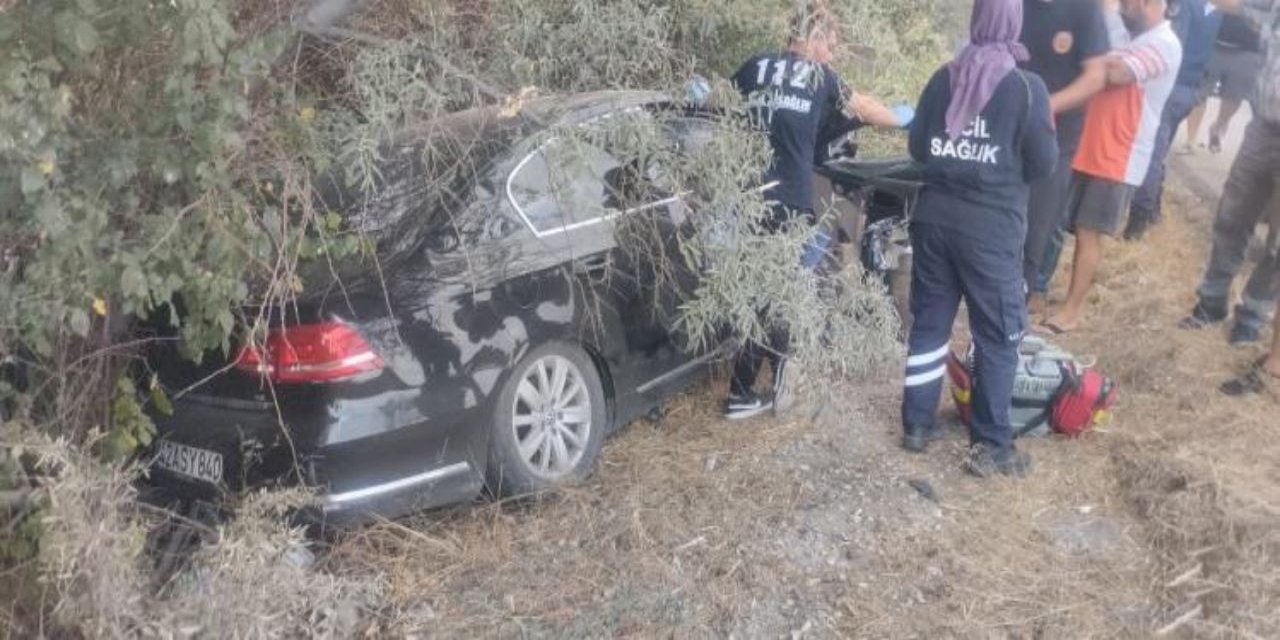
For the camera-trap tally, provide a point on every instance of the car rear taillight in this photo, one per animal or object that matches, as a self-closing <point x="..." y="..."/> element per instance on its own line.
<point x="323" y="352"/>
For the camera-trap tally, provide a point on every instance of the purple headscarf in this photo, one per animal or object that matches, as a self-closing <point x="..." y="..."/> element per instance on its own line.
<point x="993" y="52"/>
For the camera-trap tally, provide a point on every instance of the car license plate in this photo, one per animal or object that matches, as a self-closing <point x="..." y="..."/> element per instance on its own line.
<point x="200" y="464"/>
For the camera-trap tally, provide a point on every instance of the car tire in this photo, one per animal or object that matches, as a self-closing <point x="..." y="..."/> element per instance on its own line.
<point x="547" y="429"/>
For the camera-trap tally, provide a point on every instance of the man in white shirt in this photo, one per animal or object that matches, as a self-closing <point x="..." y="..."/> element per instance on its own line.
<point x="1117" y="145"/>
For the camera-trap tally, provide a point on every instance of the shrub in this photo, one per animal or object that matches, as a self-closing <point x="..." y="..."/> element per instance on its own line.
<point x="250" y="581"/>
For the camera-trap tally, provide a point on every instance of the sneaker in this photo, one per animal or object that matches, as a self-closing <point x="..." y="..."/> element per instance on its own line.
<point x="741" y="407"/>
<point x="1244" y="334"/>
<point x="1255" y="380"/>
<point x="784" y="386"/>
<point x="917" y="439"/>
<point x="986" y="461"/>
<point x="1204" y="314"/>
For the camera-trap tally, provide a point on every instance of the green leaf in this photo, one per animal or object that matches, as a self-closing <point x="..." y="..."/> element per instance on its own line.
<point x="161" y="400"/>
<point x="32" y="180"/>
<point x="333" y="221"/>
<point x="85" y="36"/>
<point x="133" y="282"/>
<point x="49" y="64"/>
<point x="50" y="216"/>
<point x="226" y="321"/>
<point x="183" y="118"/>
<point x="145" y="433"/>
<point x="79" y="322"/>
<point x="118" y="445"/>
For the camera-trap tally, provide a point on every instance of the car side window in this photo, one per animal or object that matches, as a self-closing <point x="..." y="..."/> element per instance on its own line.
<point x="691" y="133"/>
<point x="563" y="185"/>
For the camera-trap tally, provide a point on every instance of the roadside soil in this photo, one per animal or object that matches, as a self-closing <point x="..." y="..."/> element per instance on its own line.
<point x="1167" y="520"/>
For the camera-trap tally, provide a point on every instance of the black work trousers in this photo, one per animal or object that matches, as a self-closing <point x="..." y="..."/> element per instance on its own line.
<point x="950" y="266"/>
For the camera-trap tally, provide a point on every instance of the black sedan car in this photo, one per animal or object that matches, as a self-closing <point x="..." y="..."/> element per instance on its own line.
<point x="495" y="341"/>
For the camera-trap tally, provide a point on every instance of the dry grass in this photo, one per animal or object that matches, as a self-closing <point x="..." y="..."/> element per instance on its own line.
<point x="1199" y="470"/>
<point x="634" y="551"/>
<point x="96" y="579"/>
<point x="1196" y="470"/>
<point x="697" y="527"/>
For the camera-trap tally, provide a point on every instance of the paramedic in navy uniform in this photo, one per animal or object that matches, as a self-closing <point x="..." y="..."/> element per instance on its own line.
<point x="792" y="94"/>
<point x="983" y="131"/>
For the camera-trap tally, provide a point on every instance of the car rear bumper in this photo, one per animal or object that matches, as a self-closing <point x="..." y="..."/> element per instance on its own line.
<point x="450" y="484"/>
<point x="394" y="468"/>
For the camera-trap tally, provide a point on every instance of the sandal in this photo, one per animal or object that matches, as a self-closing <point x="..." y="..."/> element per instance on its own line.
<point x="1053" y="328"/>
<point x="1254" y="381"/>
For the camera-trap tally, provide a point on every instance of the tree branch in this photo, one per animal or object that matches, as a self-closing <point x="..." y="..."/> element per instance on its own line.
<point x="326" y="14"/>
<point x="15" y="499"/>
<point x="338" y="33"/>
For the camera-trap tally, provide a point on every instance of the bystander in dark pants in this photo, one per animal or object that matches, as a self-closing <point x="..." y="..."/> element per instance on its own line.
<point x="1246" y="201"/>
<point x="949" y="266"/>
<point x="1145" y="210"/>
<point x="1046" y="217"/>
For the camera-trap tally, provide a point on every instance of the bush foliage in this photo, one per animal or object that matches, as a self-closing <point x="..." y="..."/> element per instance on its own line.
<point x="126" y="127"/>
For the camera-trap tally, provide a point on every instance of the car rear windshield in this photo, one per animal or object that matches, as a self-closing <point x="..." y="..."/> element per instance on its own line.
<point x="424" y="177"/>
<point x="422" y="173"/>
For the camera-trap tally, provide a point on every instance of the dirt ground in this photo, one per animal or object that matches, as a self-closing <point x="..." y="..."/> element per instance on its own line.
<point x="1167" y="521"/>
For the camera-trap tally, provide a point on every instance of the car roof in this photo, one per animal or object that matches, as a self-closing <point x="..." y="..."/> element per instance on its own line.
<point x="568" y="109"/>
<point x="462" y="142"/>
<point x="530" y="115"/>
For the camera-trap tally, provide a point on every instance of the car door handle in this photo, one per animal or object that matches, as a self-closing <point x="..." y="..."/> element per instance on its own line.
<point x="592" y="265"/>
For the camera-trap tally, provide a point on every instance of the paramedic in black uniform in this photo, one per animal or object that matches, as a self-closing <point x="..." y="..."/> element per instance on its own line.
<point x="983" y="131"/>
<point x="792" y="94"/>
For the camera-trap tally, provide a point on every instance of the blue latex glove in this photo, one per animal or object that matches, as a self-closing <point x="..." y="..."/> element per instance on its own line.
<point x="905" y="114"/>
<point x="697" y="91"/>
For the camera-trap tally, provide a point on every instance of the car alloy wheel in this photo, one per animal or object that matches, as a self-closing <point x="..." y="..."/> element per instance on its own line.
<point x="551" y="417"/>
<point x="549" y="421"/>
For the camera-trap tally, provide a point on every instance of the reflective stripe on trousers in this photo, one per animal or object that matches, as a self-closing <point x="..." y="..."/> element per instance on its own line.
<point x="927" y="367"/>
